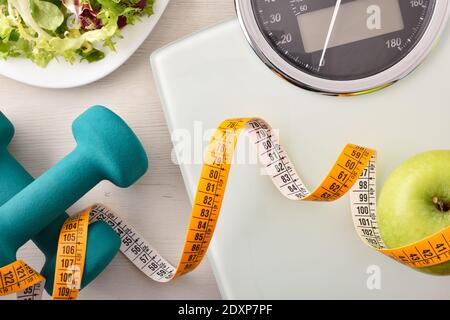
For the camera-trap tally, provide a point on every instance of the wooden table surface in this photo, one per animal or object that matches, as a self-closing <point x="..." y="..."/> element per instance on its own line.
<point x="158" y="205"/>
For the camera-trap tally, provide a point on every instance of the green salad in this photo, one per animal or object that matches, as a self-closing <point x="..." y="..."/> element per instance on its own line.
<point x="43" y="30"/>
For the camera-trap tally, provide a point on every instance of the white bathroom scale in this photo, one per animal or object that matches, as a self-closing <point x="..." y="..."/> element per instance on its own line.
<point x="268" y="247"/>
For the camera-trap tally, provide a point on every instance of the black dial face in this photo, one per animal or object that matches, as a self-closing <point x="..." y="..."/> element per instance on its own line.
<point x="343" y="40"/>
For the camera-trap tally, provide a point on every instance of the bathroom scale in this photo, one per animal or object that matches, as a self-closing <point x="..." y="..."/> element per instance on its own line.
<point x="266" y="246"/>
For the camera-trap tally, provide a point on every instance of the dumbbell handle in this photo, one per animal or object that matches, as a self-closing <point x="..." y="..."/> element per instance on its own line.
<point x="13" y="179"/>
<point x="68" y="181"/>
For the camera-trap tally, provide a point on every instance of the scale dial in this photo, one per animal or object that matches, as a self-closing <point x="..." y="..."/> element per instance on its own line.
<point x="343" y="46"/>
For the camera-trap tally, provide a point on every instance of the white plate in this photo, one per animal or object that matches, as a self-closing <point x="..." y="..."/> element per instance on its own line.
<point x="263" y="245"/>
<point x="60" y="74"/>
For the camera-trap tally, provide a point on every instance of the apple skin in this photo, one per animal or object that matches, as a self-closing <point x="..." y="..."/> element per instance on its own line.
<point x="406" y="212"/>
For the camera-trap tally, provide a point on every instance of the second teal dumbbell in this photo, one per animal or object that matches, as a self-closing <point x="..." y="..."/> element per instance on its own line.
<point x="106" y="149"/>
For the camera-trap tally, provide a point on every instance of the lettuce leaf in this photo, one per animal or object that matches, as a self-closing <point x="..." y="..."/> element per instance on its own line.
<point x="46" y="14"/>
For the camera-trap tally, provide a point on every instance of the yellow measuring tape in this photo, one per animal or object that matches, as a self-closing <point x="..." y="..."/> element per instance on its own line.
<point x="71" y="256"/>
<point x="18" y="276"/>
<point x="354" y="172"/>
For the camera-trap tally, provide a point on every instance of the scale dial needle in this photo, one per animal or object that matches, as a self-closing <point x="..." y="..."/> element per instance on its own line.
<point x="330" y="31"/>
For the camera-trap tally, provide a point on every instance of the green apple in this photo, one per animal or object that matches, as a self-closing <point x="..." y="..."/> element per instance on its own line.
<point x="415" y="203"/>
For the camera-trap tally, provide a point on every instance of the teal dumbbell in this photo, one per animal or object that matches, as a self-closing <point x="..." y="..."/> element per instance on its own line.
<point x="107" y="149"/>
<point x="103" y="242"/>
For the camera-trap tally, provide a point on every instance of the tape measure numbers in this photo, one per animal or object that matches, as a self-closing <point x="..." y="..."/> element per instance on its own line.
<point x="211" y="189"/>
<point x="19" y="277"/>
<point x="71" y="256"/>
<point x="353" y="172"/>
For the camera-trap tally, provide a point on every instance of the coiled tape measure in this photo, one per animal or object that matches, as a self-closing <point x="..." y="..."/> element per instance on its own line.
<point x="353" y="172"/>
